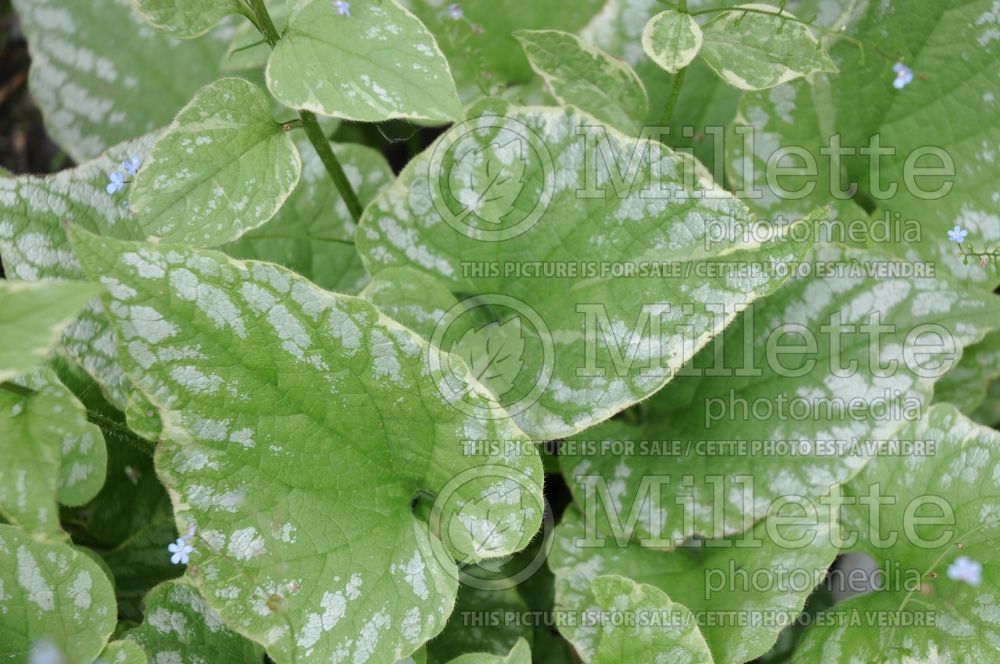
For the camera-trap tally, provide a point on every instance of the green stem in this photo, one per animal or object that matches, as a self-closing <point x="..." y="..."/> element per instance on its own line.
<point x="675" y="93"/>
<point x="313" y="131"/>
<point x="319" y="141"/>
<point x="105" y="424"/>
<point x="264" y="23"/>
<point x="19" y="390"/>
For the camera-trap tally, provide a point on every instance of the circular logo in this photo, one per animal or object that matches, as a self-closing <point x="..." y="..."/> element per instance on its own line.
<point x="481" y="511"/>
<point x="494" y="341"/>
<point x="491" y="178"/>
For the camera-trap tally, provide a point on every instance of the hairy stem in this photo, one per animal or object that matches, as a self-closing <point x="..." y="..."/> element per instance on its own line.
<point x="313" y="131"/>
<point x="675" y="93"/>
<point x="108" y="426"/>
<point x="319" y="141"/>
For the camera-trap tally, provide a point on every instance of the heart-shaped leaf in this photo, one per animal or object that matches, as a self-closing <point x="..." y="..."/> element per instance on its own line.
<point x="291" y="544"/>
<point x="759" y="46"/>
<point x="222" y="168"/>
<point x="375" y="62"/>
<point x="601" y="267"/>
<point x="54" y="598"/>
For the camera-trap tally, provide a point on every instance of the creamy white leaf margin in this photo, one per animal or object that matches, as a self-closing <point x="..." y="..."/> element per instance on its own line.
<point x="266" y="385"/>
<point x="378" y="63"/>
<point x="186" y="19"/>
<point x="654" y="220"/>
<point x="224" y="167"/>
<point x="672" y="40"/>
<point x="761" y="48"/>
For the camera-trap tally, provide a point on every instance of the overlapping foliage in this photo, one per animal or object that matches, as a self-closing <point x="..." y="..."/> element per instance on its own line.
<point x="529" y="393"/>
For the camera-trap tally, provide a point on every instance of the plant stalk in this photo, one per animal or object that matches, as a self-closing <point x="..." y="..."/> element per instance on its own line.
<point x="313" y="131"/>
<point x="675" y="93"/>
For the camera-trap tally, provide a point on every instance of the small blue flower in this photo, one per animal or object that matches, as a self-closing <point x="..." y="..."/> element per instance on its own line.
<point x="957" y="234"/>
<point x="966" y="569"/>
<point x="343" y="7"/>
<point x="455" y="12"/>
<point x="904" y="76"/>
<point x="180" y="550"/>
<point x="116" y="184"/>
<point x="131" y="165"/>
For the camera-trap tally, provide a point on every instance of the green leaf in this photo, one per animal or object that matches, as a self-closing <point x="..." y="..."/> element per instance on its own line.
<point x="670" y="633"/>
<point x="481" y="49"/>
<point x="672" y="39"/>
<point x="95" y="91"/>
<point x="519" y="654"/>
<point x="489" y="180"/>
<point x="493" y="353"/>
<point x="568" y="217"/>
<point x="313" y="233"/>
<point x="705" y="104"/>
<point x="122" y="652"/>
<point x="920" y="550"/>
<point x="179" y="621"/>
<point x="739" y="621"/>
<point x="222" y="168"/>
<point x="938" y="121"/>
<point x="33" y="246"/>
<point x="52" y="593"/>
<point x="408" y="296"/>
<point x="480" y="623"/>
<point x="966" y="385"/>
<point x="290" y="555"/>
<point x="989" y="412"/>
<point x="130" y="522"/>
<point x="186" y="19"/>
<point x="793" y="398"/>
<point x="790" y="116"/>
<point x="376" y="64"/>
<point x="583" y="75"/>
<point x="50" y="451"/>
<point x="762" y="48"/>
<point x="33" y="317"/>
